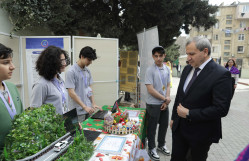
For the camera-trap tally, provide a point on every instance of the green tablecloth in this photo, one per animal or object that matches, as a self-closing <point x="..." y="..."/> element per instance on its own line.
<point x="97" y="124"/>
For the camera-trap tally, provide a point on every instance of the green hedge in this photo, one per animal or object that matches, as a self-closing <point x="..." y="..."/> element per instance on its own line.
<point x="32" y="131"/>
<point x="80" y="150"/>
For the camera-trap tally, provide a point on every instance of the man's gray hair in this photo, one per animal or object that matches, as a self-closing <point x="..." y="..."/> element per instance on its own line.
<point x="201" y="43"/>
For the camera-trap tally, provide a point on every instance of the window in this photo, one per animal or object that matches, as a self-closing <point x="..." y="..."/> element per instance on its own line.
<point x="242" y="24"/>
<point x="225" y="60"/>
<point x="228" y="31"/>
<point x="215" y="49"/>
<point x="226" y="53"/>
<point x="216" y="37"/>
<point x="240" y="49"/>
<point x="227" y="42"/>
<point x="226" y="47"/>
<point x="229" y="17"/>
<point x="246" y="8"/>
<point x="228" y="22"/>
<point x="241" y="37"/>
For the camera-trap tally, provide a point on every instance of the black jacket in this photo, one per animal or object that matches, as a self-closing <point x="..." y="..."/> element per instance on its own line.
<point x="208" y="99"/>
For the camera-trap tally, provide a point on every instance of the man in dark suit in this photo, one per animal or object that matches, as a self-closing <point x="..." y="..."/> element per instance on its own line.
<point x="203" y="97"/>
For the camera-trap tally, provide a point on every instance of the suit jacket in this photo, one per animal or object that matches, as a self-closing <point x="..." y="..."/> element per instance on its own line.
<point x="208" y="99"/>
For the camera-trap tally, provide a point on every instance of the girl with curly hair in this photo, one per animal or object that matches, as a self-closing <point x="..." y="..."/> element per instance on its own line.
<point x="50" y="88"/>
<point x="231" y="66"/>
<point x="10" y="101"/>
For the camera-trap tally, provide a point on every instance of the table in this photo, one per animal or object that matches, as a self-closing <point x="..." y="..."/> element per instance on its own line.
<point x="96" y="124"/>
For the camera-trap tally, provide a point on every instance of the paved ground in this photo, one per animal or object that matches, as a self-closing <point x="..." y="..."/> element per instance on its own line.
<point x="235" y="126"/>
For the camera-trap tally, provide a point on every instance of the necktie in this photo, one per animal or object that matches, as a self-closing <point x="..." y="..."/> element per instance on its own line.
<point x="192" y="79"/>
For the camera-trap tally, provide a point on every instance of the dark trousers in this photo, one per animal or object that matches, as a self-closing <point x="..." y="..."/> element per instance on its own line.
<point x="155" y="116"/>
<point x="127" y="96"/>
<point x="183" y="149"/>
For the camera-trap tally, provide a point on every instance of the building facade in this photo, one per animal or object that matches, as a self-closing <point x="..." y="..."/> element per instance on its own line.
<point x="230" y="36"/>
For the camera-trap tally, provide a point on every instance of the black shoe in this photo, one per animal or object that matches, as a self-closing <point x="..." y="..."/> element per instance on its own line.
<point x="164" y="150"/>
<point x="153" y="154"/>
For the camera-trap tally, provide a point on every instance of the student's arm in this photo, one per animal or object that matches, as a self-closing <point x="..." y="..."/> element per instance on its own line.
<point x="76" y="98"/>
<point x="168" y="100"/>
<point x="154" y="92"/>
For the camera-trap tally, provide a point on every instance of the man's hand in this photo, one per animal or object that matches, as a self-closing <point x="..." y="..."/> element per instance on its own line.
<point x="164" y="106"/>
<point x="235" y="86"/>
<point x="171" y="123"/>
<point x="182" y="111"/>
<point x="89" y="110"/>
<point x="168" y="100"/>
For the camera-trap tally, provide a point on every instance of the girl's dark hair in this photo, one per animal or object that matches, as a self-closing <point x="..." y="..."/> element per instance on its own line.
<point x="88" y="52"/>
<point x="5" y="52"/>
<point x="49" y="62"/>
<point x="234" y="64"/>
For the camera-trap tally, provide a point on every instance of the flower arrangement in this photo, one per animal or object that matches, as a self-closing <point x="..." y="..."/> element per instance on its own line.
<point x="118" y="123"/>
<point x="120" y="118"/>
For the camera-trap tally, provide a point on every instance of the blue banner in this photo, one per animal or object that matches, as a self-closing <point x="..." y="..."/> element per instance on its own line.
<point x="40" y="43"/>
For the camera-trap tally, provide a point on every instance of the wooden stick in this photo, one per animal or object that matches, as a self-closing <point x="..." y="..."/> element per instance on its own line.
<point x="244" y="83"/>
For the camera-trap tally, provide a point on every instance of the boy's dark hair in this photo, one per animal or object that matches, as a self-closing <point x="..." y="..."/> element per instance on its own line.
<point x="88" y="52"/>
<point x="5" y="52"/>
<point x="158" y="49"/>
<point x="49" y="62"/>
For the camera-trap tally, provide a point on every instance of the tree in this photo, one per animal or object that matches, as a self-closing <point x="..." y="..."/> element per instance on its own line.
<point x="172" y="53"/>
<point x="121" y="19"/>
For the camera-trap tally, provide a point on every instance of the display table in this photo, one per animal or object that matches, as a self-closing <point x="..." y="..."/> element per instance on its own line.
<point x="129" y="149"/>
<point x="96" y="124"/>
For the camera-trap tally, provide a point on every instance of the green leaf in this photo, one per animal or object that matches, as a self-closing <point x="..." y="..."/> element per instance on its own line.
<point x="35" y="129"/>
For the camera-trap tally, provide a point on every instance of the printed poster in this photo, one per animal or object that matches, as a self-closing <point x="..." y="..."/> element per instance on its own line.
<point x="34" y="46"/>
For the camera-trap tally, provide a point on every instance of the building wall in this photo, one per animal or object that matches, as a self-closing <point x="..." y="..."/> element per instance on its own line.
<point x="230" y="34"/>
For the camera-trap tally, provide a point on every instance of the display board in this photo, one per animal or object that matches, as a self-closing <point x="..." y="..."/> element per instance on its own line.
<point x="104" y="69"/>
<point x="147" y="40"/>
<point x="128" y="71"/>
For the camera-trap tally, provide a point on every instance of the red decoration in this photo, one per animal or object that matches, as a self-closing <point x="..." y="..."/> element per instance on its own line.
<point x="89" y="124"/>
<point x="128" y="142"/>
<point x="100" y="155"/>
